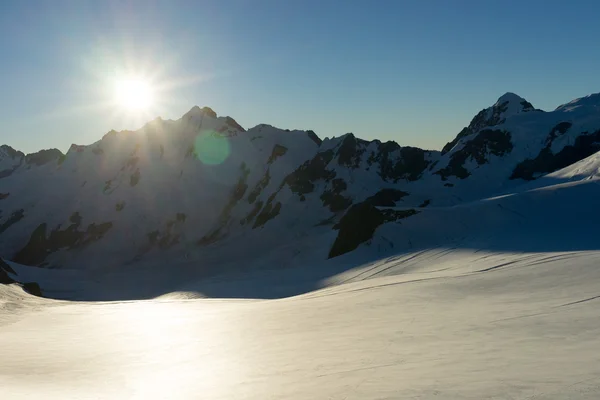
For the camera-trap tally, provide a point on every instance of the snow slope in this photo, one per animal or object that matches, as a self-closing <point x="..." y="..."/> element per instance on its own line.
<point x="474" y="326"/>
<point x="272" y="264"/>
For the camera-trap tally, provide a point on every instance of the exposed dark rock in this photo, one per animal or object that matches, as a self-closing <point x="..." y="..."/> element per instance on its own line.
<point x="132" y="161"/>
<point x="410" y="166"/>
<point x="236" y="195"/>
<point x="277" y="152"/>
<point x="253" y="213"/>
<point x="212" y="237"/>
<point x="259" y="187"/>
<point x="313" y="136"/>
<point x="335" y="202"/>
<point x="7" y="172"/>
<point x="12" y="153"/>
<point x="397" y="162"/>
<point x="481" y="121"/>
<point x="449" y="184"/>
<point x="4" y="265"/>
<point x="350" y="151"/>
<point x="527" y="106"/>
<point x="487" y="141"/>
<point x="4" y="195"/>
<point x="465" y="132"/>
<point x="425" y="203"/>
<point x="120" y="206"/>
<point x="301" y="181"/>
<point x="5" y="279"/>
<point x="40" y="245"/>
<point x="233" y="124"/>
<point x="15" y="217"/>
<point x="559" y="130"/>
<point x="268" y="213"/>
<point x="359" y="224"/>
<point x="98" y="151"/>
<point x="135" y="177"/>
<point x="189" y="152"/>
<point x="209" y="111"/>
<point x="43" y="157"/>
<point x="386" y="197"/>
<point x="166" y="237"/>
<point x="585" y="145"/>
<point x="153" y="236"/>
<point x="333" y="199"/>
<point x="33" y="288"/>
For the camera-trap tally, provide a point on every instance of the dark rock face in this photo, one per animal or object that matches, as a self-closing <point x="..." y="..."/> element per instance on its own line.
<point x="386" y="197"/>
<point x="236" y="195"/>
<point x="359" y="224"/>
<point x="333" y="199"/>
<point x="253" y="213"/>
<point x="425" y="203"/>
<point x="397" y="162"/>
<point x="33" y="288"/>
<point x="313" y="136"/>
<point x="5" y="279"/>
<point x="487" y="141"/>
<point x="15" y="217"/>
<point x="559" y="130"/>
<point x="12" y="153"/>
<point x="43" y="157"/>
<point x="209" y="111"/>
<point x="260" y="186"/>
<point x="301" y="181"/>
<point x="167" y="236"/>
<point x="546" y="161"/>
<point x="4" y="195"/>
<point x="450" y="145"/>
<point x="7" y="172"/>
<point x="269" y="212"/>
<point x="278" y="151"/>
<point x="233" y="124"/>
<point x="41" y="245"/>
<point x="527" y="106"/>
<point x="135" y="177"/>
<point x="481" y="121"/>
<point x="350" y="151"/>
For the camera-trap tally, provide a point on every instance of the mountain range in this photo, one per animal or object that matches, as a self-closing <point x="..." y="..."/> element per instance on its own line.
<point x="202" y="193"/>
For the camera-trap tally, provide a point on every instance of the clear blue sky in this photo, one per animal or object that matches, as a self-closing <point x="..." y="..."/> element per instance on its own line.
<point x="411" y="71"/>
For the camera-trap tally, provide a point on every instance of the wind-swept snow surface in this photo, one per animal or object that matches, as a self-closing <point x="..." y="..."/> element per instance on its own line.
<point x="194" y="259"/>
<point x="473" y="326"/>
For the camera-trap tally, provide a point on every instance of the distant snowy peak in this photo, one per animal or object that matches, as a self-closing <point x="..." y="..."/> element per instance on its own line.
<point x="508" y="105"/>
<point x="592" y="101"/>
<point x="11" y="159"/>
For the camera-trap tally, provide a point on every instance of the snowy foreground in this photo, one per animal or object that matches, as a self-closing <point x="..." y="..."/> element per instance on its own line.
<point x="438" y="324"/>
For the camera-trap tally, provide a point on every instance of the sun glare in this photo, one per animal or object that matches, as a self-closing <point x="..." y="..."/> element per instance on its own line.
<point x="134" y="94"/>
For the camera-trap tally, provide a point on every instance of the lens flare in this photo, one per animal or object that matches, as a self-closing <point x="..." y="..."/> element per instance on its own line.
<point x="211" y="149"/>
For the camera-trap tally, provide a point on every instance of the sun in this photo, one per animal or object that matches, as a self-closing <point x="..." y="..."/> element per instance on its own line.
<point x="134" y="94"/>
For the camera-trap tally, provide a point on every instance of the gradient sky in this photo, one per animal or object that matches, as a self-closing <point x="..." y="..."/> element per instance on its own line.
<point x="411" y="71"/>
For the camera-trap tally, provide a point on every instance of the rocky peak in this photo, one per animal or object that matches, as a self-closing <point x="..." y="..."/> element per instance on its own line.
<point x="7" y="151"/>
<point x="43" y="157"/>
<point x="507" y="105"/>
<point x="199" y="112"/>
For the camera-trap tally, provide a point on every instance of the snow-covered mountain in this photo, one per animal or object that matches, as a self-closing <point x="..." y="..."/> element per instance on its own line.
<point x="202" y="191"/>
